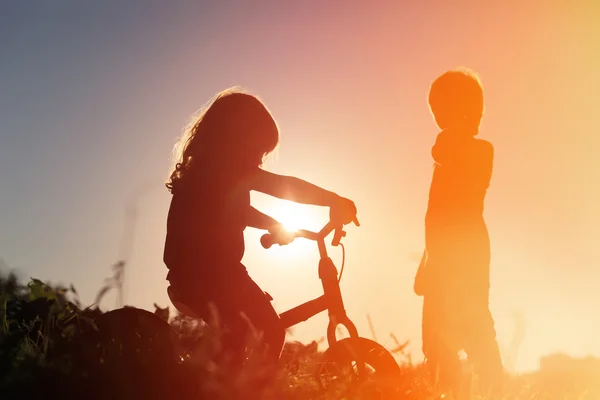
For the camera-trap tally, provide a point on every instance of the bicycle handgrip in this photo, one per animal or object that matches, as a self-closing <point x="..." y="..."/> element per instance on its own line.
<point x="338" y="235"/>
<point x="267" y="240"/>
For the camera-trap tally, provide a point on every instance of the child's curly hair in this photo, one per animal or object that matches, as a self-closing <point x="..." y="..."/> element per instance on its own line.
<point x="234" y="130"/>
<point x="456" y="100"/>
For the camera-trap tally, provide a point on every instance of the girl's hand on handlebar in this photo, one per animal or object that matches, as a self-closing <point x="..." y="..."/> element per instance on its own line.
<point x="343" y="211"/>
<point x="281" y="235"/>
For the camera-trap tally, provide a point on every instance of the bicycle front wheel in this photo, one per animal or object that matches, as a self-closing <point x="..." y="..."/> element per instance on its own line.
<point x="359" y="368"/>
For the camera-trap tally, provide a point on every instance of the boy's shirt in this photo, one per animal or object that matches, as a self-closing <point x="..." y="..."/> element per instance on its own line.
<point x="457" y="242"/>
<point x="461" y="176"/>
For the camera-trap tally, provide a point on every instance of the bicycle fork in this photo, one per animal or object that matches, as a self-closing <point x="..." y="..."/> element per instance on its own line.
<point x="333" y="298"/>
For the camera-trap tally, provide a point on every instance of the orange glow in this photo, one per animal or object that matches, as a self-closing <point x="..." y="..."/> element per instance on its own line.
<point x="348" y="87"/>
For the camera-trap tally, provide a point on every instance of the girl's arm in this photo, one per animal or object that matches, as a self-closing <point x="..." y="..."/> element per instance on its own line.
<point x="342" y="210"/>
<point x="293" y="189"/>
<point x="258" y="220"/>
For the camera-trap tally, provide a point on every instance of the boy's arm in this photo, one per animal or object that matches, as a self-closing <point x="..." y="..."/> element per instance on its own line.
<point x="423" y="258"/>
<point x="489" y="161"/>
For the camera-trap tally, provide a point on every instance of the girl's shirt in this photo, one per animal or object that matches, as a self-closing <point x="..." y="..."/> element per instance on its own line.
<point x="206" y="222"/>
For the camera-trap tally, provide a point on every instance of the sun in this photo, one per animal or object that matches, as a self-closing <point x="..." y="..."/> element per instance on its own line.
<point x="293" y="222"/>
<point x="295" y="216"/>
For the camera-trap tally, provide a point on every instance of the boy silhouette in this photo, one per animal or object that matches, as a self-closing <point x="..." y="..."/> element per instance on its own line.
<point x="454" y="274"/>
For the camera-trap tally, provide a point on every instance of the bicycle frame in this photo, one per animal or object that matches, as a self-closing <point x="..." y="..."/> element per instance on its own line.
<point x="331" y="299"/>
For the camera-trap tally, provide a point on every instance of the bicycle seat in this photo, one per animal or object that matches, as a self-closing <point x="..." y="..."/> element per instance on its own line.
<point x="179" y="304"/>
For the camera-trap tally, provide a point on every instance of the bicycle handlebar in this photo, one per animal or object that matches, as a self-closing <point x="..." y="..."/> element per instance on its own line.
<point x="267" y="240"/>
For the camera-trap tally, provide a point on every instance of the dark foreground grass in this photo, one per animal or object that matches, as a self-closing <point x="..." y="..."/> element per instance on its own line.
<point x="51" y="347"/>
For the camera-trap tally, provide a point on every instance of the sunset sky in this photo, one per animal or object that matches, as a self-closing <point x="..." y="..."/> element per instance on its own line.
<point x="94" y="94"/>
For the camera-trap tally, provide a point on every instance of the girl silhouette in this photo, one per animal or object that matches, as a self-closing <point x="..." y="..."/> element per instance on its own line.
<point x="218" y="163"/>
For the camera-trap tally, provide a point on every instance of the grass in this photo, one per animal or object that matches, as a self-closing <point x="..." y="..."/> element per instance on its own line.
<point x="50" y="346"/>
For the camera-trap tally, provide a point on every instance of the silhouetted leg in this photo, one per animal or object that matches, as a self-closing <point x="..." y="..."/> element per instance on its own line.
<point x="235" y="335"/>
<point x="239" y="304"/>
<point x="221" y="311"/>
<point x="482" y="350"/>
<point x="250" y="319"/>
<point x="225" y="321"/>
<point x="260" y="313"/>
<point x="444" y="367"/>
<point x="441" y="356"/>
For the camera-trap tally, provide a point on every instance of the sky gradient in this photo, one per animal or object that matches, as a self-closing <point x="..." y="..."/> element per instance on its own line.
<point x="93" y="97"/>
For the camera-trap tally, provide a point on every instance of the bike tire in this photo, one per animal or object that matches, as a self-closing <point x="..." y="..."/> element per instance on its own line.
<point x="136" y="333"/>
<point x="340" y="369"/>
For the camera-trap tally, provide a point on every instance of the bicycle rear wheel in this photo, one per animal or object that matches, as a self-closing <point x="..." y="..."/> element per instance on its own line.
<point x="135" y="335"/>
